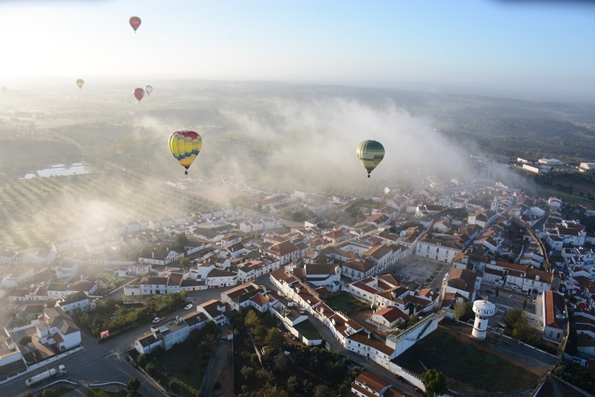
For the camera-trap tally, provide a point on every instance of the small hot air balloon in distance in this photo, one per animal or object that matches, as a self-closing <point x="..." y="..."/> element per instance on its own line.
<point x="80" y="83"/>
<point x="135" y="23"/>
<point x="139" y="93"/>
<point x="185" y="146"/>
<point x="4" y="89"/>
<point x="370" y="154"/>
<point x="148" y="89"/>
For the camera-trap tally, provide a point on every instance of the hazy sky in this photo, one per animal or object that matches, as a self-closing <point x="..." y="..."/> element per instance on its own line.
<point x="535" y="46"/>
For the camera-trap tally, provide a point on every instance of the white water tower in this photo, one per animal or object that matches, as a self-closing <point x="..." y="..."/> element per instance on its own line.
<point x="483" y="311"/>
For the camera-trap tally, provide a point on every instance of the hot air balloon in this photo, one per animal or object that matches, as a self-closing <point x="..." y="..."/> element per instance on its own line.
<point x="185" y="146"/>
<point x="135" y="23"/>
<point x="139" y="93"/>
<point x="148" y="89"/>
<point x="370" y="154"/>
<point x="4" y="89"/>
<point x="80" y="83"/>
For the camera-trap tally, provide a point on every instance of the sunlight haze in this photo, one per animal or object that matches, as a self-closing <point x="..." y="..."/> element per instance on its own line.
<point x="535" y="46"/>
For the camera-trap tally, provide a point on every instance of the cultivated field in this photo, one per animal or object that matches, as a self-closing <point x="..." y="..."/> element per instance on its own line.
<point x="35" y="212"/>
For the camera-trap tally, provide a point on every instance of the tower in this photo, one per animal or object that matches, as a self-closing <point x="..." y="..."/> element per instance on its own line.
<point x="483" y="311"/>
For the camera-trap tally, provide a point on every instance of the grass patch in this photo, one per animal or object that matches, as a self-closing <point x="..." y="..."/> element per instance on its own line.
<point x="346" y="304"/>
<point x="546" y="192"/>
<point x="182" y="368"/>
<point x="61" y="391"/>
<point x="474" y="370"/>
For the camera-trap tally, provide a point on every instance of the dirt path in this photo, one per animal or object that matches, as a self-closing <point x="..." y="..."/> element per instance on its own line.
<point x="226" y="380"/>
<point x="218" y="362"/>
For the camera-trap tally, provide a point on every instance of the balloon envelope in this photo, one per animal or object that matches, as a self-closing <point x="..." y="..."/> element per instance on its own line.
<point x="185" y="146"/>
<point x="80" y="83"/>
<point x="148" y="89"/>
<point x="139" y="93"/>
<point x="370" y="154"/>
<point x="4" y="89"/>
<point x="135" y="23"/>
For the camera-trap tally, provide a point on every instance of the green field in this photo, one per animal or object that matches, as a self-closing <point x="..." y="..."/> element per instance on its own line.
<point x="346" y="304"/>
<point x="546" y="192"/>
<point x="473" y="370"/>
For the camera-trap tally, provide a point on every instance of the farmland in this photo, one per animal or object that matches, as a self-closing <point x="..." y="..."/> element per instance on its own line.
<point x="37" y="211"/>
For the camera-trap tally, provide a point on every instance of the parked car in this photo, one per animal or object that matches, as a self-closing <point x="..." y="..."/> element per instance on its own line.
<point x="188" y="306"/>
<point x="156" y="320"/>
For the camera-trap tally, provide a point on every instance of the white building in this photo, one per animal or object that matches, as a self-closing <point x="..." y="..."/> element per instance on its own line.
<point x="442" y="250"/>
<point x="55" y="327"/>
<point x="167" y="335"/>
<point x="550" y="162"/>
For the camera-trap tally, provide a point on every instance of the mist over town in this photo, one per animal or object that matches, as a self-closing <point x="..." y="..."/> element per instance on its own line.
<point x="296" y="199"/>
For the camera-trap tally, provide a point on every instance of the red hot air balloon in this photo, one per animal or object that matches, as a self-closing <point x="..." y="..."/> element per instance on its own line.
<point x="139" y="93"/>
<point x="135" y="23"/>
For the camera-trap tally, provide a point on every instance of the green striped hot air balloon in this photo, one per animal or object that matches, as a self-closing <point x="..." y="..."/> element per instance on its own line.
<point x="370" y="154"/>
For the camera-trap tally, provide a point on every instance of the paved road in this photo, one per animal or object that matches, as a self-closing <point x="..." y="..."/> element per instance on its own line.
<point x="106" y="361"/>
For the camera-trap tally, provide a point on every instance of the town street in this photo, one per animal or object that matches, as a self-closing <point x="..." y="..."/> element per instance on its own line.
<point x="106" y="362"/>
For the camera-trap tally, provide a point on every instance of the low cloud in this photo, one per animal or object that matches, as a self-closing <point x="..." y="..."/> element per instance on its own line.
<point x="316" y="143"/>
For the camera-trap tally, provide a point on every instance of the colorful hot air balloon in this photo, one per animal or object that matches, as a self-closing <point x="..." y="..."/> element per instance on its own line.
<point x="370" y="154"/>
<point x="185" y="146"/>
<point x="135" y="23"/>
<point x="139" y="93"/>
<point x="80" y="83"/>
<point x="148" y="89"/>
<point x="4" y="89"/>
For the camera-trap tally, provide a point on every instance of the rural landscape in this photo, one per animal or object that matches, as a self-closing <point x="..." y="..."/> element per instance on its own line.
<point x="297" y="199"/>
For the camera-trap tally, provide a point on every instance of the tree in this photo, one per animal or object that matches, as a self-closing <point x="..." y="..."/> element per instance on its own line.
<point x="274" y="339"/>
<point x="522" y="332"/>
<point x="460" y="309"/>
<point x="27" y="394"/>
<point x="514" y="317"/>
<point x="292" y="383"/>
<point x="25" y="340"/>
<point x="134" y="384"/>
<point x="435" y="382"/>
<point x="184" y="262"/>
<point x="251" y="319"/>
<point x="247" y="372"/>
<point x="141" y="359"/>
<point x="413" y="320"/>
<point x="181" y="242"/>
<point x="323" y="391"/>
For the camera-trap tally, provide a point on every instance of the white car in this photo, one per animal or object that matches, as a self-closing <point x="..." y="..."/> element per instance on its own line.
<point x="188" y="306"/>
<point x="156" y="320"/>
